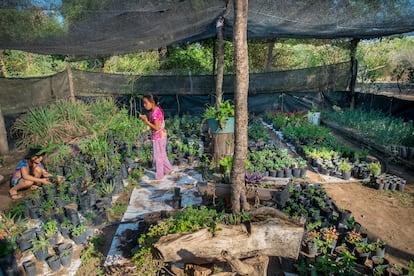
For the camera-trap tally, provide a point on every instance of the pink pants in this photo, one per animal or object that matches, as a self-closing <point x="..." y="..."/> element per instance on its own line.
<point x="162" y="164"/>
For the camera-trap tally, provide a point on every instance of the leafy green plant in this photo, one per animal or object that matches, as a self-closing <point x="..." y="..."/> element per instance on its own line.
<point x="17" y="209"/>
<point x="411" y="268"/>
<point x="226" y="163"/>
<point x="346" y="263"/>
<point x="221" y="113"/>
<point x="11" y="226"/>
<point x="374" y="168"/>
<point x="40" y="243"/>
<point x="66" y="223"/>
<point x="92" y="258"/>
<point x="344" y="166"/>
<point x="78" y="230"/>
<point x="6" y="247"/>
<point x="105" y="189"/>
<point x="50" y="227"/>
<point x="257" y="131"/>
<point x="383" y="129"/>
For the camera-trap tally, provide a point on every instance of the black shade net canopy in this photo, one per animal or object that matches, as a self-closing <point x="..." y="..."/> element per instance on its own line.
<point x="107" y="27"/>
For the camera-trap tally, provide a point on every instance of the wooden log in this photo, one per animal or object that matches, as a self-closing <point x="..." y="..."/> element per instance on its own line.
<point x="273" y="237"/>
<point x="278" y="194"/>
<point x="256" y="266"/>
<point x="223" y="145"/>
<point x="70" y="80"/>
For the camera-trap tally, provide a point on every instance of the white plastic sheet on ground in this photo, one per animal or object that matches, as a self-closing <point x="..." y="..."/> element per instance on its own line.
<point x="153" y="196"/>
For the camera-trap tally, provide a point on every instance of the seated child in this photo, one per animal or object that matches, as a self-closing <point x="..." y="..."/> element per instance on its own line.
<point x="29" y="172"/>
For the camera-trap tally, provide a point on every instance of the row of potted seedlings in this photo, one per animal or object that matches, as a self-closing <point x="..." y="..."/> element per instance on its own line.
<point x="320" y="148"/>
<point x="334" y="241"/>
<point x="67" y="208"/>
<point x="276" y="162"/>
<point x="184" y="147"/>
<point x="388" y="182"/>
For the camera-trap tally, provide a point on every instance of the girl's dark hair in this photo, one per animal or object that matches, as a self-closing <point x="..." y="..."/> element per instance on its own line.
<point x="31" y="153"/>
<point x="152" y="98"/>
<point x="34" y="152"/>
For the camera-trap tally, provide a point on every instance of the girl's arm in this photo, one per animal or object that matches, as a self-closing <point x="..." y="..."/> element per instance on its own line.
<point x="154" y="126"/>
<point x="26" y="176"/>
<point x="45" y="173"/>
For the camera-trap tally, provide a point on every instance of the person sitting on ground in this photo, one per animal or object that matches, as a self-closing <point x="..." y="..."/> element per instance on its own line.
<point x="29" y="173"/>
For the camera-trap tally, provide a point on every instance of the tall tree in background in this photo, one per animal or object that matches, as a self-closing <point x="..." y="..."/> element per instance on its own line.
<point x="241" y="87"/>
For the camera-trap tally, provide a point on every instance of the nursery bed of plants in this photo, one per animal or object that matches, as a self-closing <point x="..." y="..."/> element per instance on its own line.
<point x="99" y="148"/>
<point x="324" y="152"/>
<point x="393" y="133"/>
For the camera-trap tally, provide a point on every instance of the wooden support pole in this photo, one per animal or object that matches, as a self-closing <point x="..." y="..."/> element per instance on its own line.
<point x="269" y="56"/>
<point x="354" y="71"/>
<point x="70" y="80"/>
<point x="220" y="62"/>
<point x="4" y="146"/>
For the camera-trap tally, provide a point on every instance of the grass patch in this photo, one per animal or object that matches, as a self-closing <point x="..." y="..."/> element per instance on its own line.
<point x="405" y="199"/>
<point x="91" y="258"/>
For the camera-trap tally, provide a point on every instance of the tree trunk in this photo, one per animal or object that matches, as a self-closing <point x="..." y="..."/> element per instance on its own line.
<point x="3" y="69"/>
<point x="241" y="87"/>
<point x="220" y="62"/>
<point x="4" y="146"/>
<point x="269" y="58"/>
<point x="354" y="70"/>
<point x="70" y="80"/>
<point x="273" y="237"/>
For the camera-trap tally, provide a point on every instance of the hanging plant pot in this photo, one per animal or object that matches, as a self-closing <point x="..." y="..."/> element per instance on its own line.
<point x="53" y="262"/>
<point x="213" y="125"/>
<point x="29" y="268"/>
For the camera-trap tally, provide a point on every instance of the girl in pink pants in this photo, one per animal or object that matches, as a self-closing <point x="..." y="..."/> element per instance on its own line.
<point x="159" y="135"/>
